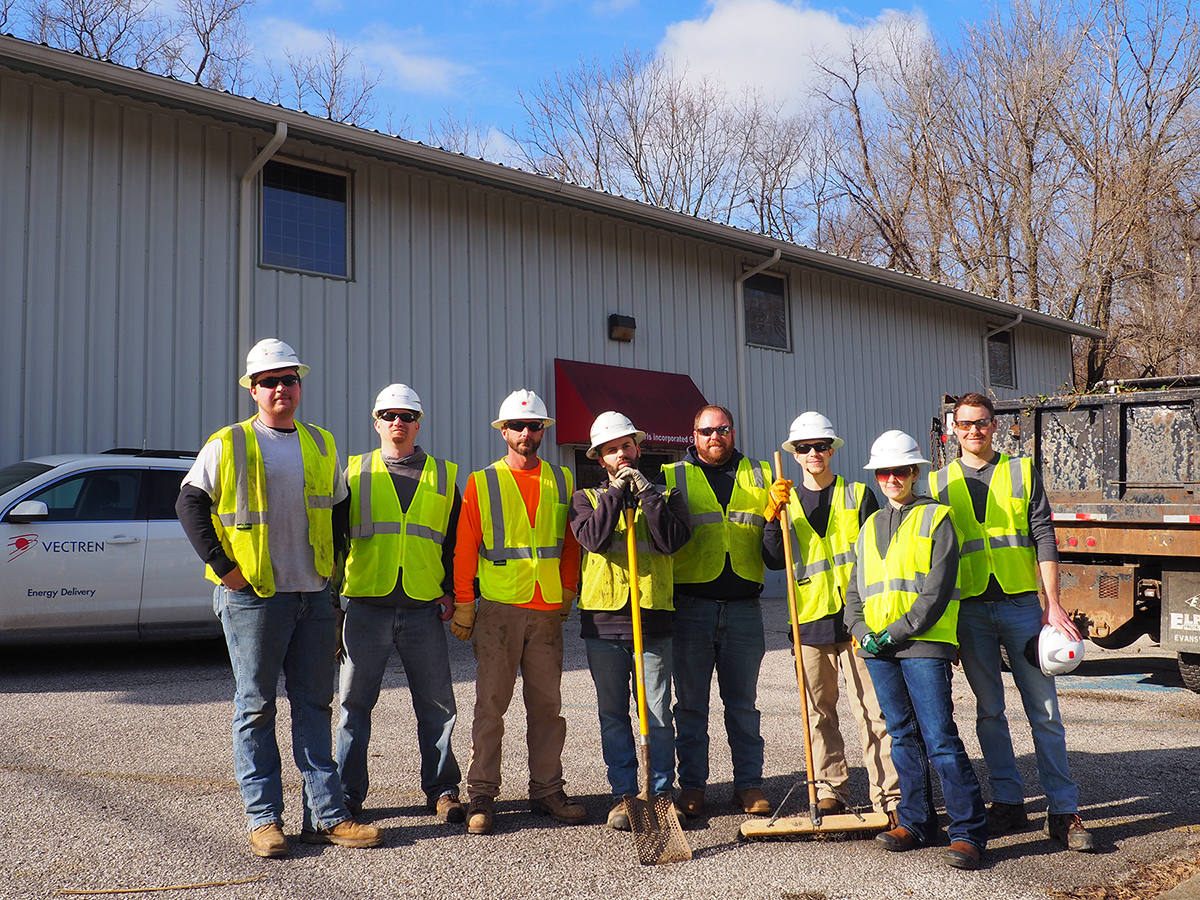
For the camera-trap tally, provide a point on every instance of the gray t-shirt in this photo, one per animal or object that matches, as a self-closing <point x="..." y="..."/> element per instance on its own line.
<point x="287" y="535"/>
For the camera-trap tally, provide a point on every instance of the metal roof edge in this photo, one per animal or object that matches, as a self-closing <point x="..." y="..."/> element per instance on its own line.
<point x="59" y="65"/>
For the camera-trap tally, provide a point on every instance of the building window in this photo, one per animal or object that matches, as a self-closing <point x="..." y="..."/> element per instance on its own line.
<point x="305" y="219"/>
<point x="766" y="312"/>
<point x="1001" y="370"/>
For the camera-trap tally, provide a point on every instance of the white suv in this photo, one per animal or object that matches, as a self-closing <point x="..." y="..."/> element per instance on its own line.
<point x="92" y="551"/>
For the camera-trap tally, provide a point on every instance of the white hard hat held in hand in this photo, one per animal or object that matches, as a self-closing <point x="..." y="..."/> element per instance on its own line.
<point x="398" y="396"/>
<point x="267" y="355"/>
<point x="608" y="427"/>
<point x="1053" y="652"/>
<point x="811" y="426"/>
<point x="893" y="449"/>
<point x="522" y="406"/>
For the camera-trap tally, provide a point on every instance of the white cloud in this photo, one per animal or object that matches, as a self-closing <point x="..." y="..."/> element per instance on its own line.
<point x="768" y="44"/>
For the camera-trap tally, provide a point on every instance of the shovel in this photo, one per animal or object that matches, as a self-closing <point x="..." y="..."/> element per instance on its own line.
<point x="656" y="830"/>
<point x="814" y="822"/>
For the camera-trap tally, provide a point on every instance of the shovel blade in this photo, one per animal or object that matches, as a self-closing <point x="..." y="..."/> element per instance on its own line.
<point x="803" y="825"/>
<point x="656" y="830"/>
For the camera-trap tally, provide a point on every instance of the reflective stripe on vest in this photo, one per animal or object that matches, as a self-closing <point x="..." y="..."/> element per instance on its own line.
<point x="515" y="557"/>
<point x="241" y="516"/>
<point x="823" y="565"/>
<point x="890" y="585"/>
<point x="716" y="532"/>
<point x="1000" y="545"/>
<point x="605" y="582"/>
<point x="386" y="540"/>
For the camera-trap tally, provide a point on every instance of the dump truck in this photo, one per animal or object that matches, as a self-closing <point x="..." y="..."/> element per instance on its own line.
<point x="1121" y="471"/>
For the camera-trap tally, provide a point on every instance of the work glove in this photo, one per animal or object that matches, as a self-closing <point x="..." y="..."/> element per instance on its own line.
<point x="463" y="620"/>
<point x="621" y="480"/>
<point x="445" y="605"/>
<point x="780" y="493"/>
<point x="876" y="641"/>
<point x="640" y="482"/>
<point x="567" y="600"/>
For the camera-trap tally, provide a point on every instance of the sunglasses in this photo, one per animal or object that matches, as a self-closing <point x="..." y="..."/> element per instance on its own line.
<point x="535" y="426"/>
<point x="982" y="424"/>
<point x="900" y="473"/>
<point x="819" y="446"/>
<point x="389" y="415"/>
<point x="270" y="382"/>
<point x="722" y="430"/>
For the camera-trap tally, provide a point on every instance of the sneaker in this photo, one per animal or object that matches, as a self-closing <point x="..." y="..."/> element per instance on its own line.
<point x="752" y="801"/>
<point x="831" y="806"/>
<point x="448" y="808"/>
<point x="268" y="841"/>
<point x="618" y="817"/>
<point x="345" y="834"/>
<point x="479" y="814"/>
<point x="1005" y="817"/>
<point x="690" y="803"/>
<point x="559" y="807"/>
<point x="961" y="855"/>
<point x="897" y="840"/>
<point x="1068" y="830"/>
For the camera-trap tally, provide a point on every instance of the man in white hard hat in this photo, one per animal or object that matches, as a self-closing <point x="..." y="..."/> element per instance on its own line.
<point x="718" y="619"/>
<point x="513" y="537"/>
<point x="902" y="606"/>
<point x="826" y="512"/>
<point x="606" y="617"/>
<point x="1006" y="528"/>
<point x="399" y="589"/>
<point x="259" y="507"/>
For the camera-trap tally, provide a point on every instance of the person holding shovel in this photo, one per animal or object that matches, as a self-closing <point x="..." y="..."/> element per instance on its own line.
<point x="661" y="526"/>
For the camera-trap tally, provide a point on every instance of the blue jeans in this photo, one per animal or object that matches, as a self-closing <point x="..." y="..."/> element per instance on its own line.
<point x="728" y="637"/>
<point x="292" y="633"/>
<point x="914" y="695"/>
<point x="982" y="629"/>
<point x="612" y="666"/>
<point x="419" y="636"/>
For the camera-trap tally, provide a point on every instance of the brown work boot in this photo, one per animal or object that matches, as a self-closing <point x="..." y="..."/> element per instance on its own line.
<point x="962" y="855"/>
<point x="479" y="814"/>
<point x="690" y="803"/>
<point x="1068" y="830"/>
<point x="618" y="817"/>
<point x="268" y="841"/>
<point x="559" y="807"/>
<point x="831" y="806"/>
<point x="448" y="808"/>
<point x="1005" y="817"/>
<point x="897" y="840"/>
<point x="345" y="834"/>
<point x="752" y="801"/>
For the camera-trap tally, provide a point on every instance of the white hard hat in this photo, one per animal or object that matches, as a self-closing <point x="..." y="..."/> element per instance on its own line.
<point x="895" y="448"/>
<point x="1053" y="652"/>
<point x="522" y="406"/>
<point x="608" y="427"/>
<point x="811" y="426"/>
<point x="398" y="396"/>
<point x="269" y="354"/>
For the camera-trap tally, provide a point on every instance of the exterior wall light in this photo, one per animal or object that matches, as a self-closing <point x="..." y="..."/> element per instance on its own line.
<point x="621" y="328"/>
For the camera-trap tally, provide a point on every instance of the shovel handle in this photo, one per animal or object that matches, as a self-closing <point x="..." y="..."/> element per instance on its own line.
<point x="635" y="609"/>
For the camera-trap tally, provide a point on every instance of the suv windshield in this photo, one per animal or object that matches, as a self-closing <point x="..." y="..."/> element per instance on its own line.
<point x="19" y="473"/>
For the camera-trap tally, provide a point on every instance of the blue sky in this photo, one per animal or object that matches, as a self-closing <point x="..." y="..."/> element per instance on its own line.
<point x="473" y="56"/>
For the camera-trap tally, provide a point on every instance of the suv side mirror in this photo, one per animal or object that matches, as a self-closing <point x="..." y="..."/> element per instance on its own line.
<point x="28" y="511"/>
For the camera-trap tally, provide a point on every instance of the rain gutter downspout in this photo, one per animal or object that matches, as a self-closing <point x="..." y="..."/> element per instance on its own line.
<point x="987" y="359"/>
<point x="739" y="315"/>
<point x="246" y="238"/>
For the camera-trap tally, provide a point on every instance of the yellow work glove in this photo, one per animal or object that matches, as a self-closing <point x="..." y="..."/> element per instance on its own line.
<point x="463" y="621"/>
<point x="568" y="599"/>
<point x="781" y="492"/>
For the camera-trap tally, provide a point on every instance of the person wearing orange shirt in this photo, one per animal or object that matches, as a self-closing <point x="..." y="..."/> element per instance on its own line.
<point x="513" y="537"/>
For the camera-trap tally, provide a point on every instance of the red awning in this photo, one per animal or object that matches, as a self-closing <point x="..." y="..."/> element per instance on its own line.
<point x="662" y="404"/>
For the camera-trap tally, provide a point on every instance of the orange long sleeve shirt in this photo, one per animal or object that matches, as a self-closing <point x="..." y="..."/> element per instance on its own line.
<point x="470" y="539"/>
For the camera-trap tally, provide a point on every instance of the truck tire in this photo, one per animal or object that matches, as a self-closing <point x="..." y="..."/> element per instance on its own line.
<point x="1189" y="668"/>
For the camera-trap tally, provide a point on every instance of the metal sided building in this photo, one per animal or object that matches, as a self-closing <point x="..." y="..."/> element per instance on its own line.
<point x="152" y="230"/>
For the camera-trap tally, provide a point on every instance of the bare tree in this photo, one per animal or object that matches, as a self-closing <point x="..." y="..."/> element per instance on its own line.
<point x="465" y="135"/>
<point x="329" y="78"/>
<point x="130" y="32"/>
<point x="216" y="51"/>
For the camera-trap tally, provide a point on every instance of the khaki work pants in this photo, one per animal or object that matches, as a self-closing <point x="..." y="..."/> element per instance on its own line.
<point x="821" y="665"/>
<point x="509" y="639"/>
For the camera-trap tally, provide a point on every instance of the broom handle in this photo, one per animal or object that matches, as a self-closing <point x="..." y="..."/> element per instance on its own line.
<point x="639" y="665"/>
<point x="785" y="525"/>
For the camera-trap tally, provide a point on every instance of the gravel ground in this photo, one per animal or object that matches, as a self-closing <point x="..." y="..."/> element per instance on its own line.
<point x="116" y="772"/>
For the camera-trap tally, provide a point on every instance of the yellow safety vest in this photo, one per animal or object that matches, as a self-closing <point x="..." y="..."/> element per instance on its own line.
<point x="1000" y="545"/>
<point x="890" y="585"/>
<point x="605" y="581"/>
<point x="823" y="565"/>
<point x="514" y="557"/>
<point x="716" y="532"/>
<point x="241" y="517"/>
<point x="385" y="540"/>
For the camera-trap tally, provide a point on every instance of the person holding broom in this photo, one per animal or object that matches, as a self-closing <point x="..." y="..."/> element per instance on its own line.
<point x="597" y="518"/>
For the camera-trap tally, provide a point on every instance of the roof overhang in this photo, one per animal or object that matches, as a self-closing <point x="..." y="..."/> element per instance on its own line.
<point x="60" y="65"/>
